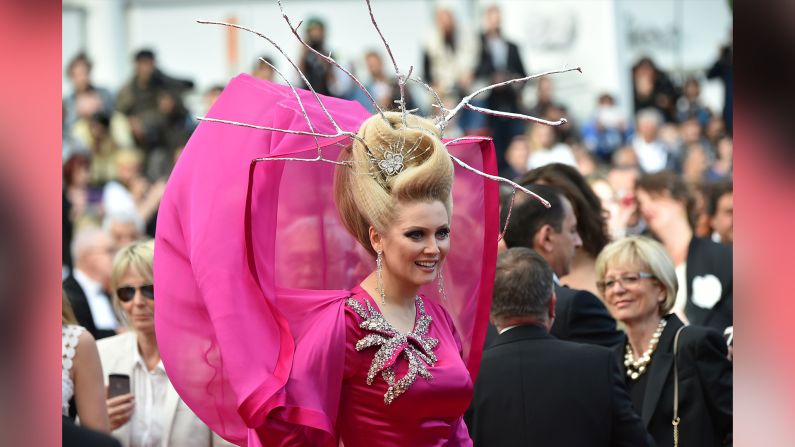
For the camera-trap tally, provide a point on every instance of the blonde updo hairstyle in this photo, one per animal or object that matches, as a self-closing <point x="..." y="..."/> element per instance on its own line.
<point x="645" y="254"/>
<point x="366" y="196"/>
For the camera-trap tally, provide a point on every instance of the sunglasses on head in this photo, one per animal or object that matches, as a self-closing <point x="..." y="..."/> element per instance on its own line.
<point x="127" y="293"/>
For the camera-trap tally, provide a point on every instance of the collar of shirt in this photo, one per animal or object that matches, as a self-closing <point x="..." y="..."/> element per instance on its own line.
<point x="504" y="330"/>
<point x="139" y="361"/>
<point x="555" y="279"/>
<point x="90" y="287"/>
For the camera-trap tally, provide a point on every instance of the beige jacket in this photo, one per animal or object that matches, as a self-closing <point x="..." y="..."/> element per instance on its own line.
<point x="182" y="428"/>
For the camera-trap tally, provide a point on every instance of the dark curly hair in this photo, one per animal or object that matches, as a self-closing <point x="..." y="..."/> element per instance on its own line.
<point x="591" y="222"/>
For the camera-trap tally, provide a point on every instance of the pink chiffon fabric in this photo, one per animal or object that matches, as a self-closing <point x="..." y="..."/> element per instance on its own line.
<point x="252" y="268"/>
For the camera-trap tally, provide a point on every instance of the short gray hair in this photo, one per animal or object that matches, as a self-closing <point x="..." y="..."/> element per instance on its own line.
<point x="84" y="240"/>
<point x="644" y="254"/>
<point x="522" y="285"/>
<point x="124" y="217"/>
<point x="650" y="114"/>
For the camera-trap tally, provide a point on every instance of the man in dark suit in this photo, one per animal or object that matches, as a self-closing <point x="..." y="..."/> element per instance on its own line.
<point x="552" y="233"/>
<point x="535" y="390"/>
<point x="499" y="61"/>
<point x="92" y="254"/>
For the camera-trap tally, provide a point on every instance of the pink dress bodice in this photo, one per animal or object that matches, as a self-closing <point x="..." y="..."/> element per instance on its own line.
<point x="430" y="411"/>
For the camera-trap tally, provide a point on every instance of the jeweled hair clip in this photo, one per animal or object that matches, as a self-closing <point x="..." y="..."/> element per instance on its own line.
<point x="392" y="159"/>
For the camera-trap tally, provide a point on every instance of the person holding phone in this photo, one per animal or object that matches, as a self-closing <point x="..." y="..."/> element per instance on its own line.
<point x="143" y="407"/>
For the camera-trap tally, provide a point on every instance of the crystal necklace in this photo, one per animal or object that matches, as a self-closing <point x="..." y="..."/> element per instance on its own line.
<point x="637" y="367"/>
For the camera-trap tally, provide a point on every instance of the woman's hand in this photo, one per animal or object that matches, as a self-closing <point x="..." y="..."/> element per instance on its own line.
<point x="120" y="410"/>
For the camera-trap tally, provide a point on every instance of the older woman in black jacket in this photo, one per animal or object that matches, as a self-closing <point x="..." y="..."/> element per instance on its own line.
<point x="638" y="285"/>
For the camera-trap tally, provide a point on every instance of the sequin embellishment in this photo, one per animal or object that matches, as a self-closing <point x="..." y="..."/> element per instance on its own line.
<point x="416" y="347"/>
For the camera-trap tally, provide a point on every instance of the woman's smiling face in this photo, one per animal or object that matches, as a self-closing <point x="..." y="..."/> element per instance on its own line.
<point x="416" y="243"/>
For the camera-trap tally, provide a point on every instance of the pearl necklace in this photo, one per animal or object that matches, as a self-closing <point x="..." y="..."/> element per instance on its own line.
<point x="637" y="367"/>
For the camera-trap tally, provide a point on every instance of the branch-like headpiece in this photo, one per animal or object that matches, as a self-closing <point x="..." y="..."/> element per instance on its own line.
<point x="385" y="161"/>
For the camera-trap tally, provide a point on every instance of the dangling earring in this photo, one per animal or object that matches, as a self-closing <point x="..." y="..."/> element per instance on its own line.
<point x="441" y="284"/>
<point x="379" y="263"/>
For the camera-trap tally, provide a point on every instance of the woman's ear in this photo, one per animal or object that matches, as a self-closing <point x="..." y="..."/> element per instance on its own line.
<point x="375" y="239"/>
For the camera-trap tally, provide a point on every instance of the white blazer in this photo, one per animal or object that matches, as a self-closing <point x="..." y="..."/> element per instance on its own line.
<point x="182" y="428"/>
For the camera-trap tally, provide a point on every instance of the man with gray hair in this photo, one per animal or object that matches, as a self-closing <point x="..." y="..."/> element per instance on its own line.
<point x="124" y="227"/>
<point x="86" y="286"/>
<point x="652" y="153"/>
<point x="533" y="389"/>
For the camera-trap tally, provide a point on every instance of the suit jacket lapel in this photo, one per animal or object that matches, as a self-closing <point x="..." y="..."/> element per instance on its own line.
<point x="170" y="412"/>
<point x="662" y="361"/>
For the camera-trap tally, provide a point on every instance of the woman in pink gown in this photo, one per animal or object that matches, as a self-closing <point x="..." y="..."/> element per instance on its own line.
<point x="275" y="326"/>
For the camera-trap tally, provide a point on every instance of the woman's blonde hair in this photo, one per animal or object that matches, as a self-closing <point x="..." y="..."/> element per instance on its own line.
<point x="646" y="254"/>
<point x="365" y="195"/>
<point x="137" y="256"/>
<point x="67" y="314"/>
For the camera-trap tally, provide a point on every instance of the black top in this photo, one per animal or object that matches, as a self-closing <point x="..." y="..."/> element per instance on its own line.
<point x="637" y="388"/>
<point x="705" y="387"/>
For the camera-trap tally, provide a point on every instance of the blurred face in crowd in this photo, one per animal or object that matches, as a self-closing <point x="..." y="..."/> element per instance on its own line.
<point x="80" y="175"/>
<point x="263" y="71"/>
<point x="715" y="129"/>
<point x="560" y="247"/>
<point x="140" y="310"/>
<point x="690" y="130"/>
<point x="695" y="164"/>
<point x="123" y="233"/>
<point x="87" y="103"/>
<point x="660" y="210"/>
<point x="128" y="168"/>
<point x="144" y="67"/>
<point x="493" y="19"/>
<point x="97" y="260"/>
<point x="417" y="243"/>
<point x="647" y="129"/>
<point x="692" y="89"/>
<point x="629" y="298"/>
<point x="542" y="136"/>
<point x="80" y="75"/>
<point x="544" y="89"/>
<point x="725" y="149"/>
<point x="723" y="220"/>
<point x="374" y="65"/>
<point x="445" y="21"/>
<point x="625" y="157"/>
<point x="315" y="34"/>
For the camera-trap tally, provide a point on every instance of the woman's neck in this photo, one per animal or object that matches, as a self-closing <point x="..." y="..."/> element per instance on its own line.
<point x="676" y="239"/>
<point x="396" y="293"/>
<point x="640" y="333"/>
<point x="147" y="347"/>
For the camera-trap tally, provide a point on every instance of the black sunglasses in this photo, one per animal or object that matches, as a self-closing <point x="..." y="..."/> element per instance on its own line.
<point x="127" y="293"/>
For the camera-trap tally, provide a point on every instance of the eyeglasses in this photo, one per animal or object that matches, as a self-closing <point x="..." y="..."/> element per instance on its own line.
<point x="127" y="293"/>
<point x="627" y="281"/>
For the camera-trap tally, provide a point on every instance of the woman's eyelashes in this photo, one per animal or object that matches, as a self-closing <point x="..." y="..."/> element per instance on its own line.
<point x="417" y="235"/>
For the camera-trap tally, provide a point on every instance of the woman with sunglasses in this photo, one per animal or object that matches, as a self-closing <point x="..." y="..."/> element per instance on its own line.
<point x="151" y="413"/>
<point x="638" y="285"/>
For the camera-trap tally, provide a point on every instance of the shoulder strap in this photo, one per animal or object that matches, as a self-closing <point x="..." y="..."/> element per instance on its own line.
<point x="675" y="420"/>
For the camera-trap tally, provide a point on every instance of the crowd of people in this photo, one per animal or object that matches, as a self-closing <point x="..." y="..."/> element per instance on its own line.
<point x="584" y="344"/>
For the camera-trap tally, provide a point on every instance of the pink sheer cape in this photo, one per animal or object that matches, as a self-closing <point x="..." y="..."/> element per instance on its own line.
<point x="252" y="265"/>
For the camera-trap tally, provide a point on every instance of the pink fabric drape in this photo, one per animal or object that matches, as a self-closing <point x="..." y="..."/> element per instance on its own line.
<point x="252" y="264"/>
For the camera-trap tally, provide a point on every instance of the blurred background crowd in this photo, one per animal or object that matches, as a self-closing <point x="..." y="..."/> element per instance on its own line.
<point x="653" y="156"/>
